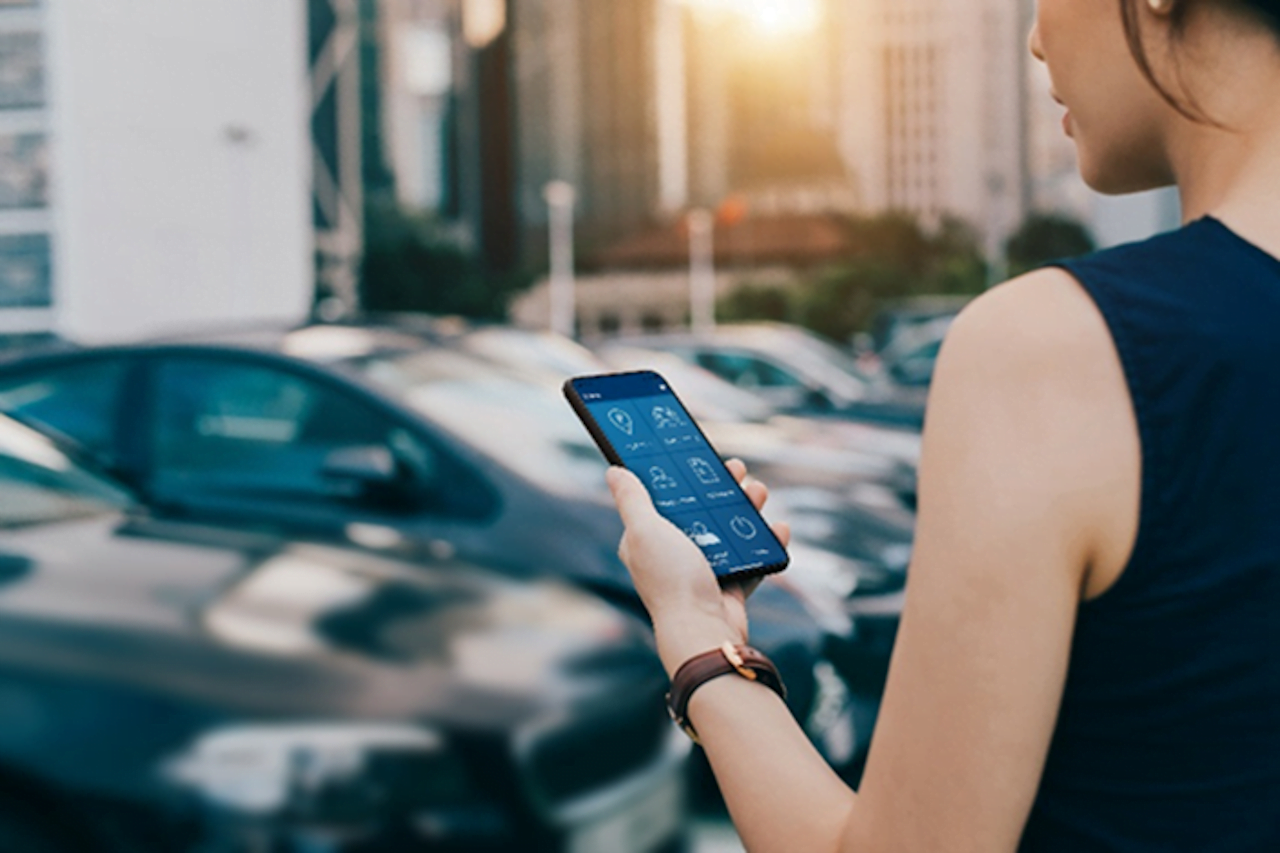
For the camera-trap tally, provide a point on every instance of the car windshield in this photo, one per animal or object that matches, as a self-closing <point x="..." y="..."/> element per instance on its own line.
<point x="533" y="352"/>
<point x="40" y="484"/>
<point x="524" y="425"/>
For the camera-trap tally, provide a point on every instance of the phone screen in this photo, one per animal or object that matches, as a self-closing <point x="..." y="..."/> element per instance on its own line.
<point x="638" y="422"/>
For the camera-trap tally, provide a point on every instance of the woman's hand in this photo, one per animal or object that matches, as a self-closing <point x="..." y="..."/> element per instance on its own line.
<point x="690" y="610"/>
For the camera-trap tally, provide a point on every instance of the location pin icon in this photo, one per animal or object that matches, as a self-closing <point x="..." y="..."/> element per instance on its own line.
<point x="622" y="420"/>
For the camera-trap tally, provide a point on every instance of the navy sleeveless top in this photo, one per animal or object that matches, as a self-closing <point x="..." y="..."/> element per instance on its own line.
<point x="1168" y="738"/>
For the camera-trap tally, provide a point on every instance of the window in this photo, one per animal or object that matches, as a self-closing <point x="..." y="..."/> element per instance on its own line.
<point x="21" y="70"/>
<point x="24" y="270"/>
<point x="747" y="371"/>
<point x="24" y="170"/>
<point x="229" y="428"/>
<point x="78" y="400"/>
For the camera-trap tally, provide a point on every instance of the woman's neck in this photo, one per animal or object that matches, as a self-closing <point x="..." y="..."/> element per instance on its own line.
<point x="1230" y="168"/>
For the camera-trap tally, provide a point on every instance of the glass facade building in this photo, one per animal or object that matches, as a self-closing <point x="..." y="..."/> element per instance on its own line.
<point x="26" y="270"/>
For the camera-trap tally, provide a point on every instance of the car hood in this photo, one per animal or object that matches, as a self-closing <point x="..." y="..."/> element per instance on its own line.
<point x="251" y="625"/>
<point x="820" y="452"/>
<point x="863" y="523"/>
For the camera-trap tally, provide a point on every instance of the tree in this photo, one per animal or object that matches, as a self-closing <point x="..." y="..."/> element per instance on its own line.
<point x="1045" y="237"/>
<point x="891" y="257"/>
<point x="412" y="263"/>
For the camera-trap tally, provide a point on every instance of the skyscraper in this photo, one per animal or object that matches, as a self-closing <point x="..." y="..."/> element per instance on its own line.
<point x="932" y="107"/>
<point x="585" y="75"/>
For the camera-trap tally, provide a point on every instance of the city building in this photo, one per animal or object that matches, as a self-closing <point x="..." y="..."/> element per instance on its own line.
<point x="761" y="106"/>
<point x="420" y="66"/>
<point x="26" y="221"/>
<point x="154" y="166"/>
<point x="585" y="76"/>
<point x="932" y="107"/>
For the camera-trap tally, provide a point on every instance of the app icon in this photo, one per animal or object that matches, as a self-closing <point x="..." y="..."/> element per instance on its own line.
<point x="701" y="535"/>
<point x="743" y="527"/>
<point x="622" y="420"/>
<point x="661" y="479"/>
<point x="703" y="471"/>
<point x="665" y="417"/>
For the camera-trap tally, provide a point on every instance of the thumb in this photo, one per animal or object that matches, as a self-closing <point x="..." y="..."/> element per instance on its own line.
<point x="634" y="503"/>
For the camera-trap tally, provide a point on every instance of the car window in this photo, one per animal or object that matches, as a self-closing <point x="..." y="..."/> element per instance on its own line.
<point x="525" y="426"/>
<point x="232" y="428"/>
<point x="78" y="399"/>
<point x="747" y="371"/>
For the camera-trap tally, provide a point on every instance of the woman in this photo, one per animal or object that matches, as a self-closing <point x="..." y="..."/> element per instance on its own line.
<point x="1089" y="656"/>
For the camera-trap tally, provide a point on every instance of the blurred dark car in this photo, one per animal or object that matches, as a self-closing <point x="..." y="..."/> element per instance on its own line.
<point x="897" y="316"/>
<point x="793" y="370"/>
<point x="372" y="436"/>
<point x="909" y="357"/>
<point x="847" y="488"/>
<point x="169" y="686"/>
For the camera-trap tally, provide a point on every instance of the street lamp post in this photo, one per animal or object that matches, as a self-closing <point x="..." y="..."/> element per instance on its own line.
<point x="560" y="197"/>
<point x="702" y="270"/>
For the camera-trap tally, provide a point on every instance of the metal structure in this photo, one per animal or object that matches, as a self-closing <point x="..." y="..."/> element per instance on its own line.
<point x="337" y="193"/>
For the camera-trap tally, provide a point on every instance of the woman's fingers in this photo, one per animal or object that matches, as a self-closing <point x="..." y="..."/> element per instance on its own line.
<point x="743" y="589"/>
<point x="634" y="504"/>
<point x="783" y="531"/>
<point x="756" y="490"/>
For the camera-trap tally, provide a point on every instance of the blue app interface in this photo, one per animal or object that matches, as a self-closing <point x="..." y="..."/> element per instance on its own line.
<point x="689" y="484"/>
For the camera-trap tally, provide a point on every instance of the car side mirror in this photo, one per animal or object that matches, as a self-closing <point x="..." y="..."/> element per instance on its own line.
<point x="370" y="474"/>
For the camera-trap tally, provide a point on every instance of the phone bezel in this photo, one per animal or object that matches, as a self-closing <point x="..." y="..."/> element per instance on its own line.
<point x="606" y="447"/>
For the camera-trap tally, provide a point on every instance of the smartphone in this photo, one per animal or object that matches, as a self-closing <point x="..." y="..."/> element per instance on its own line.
<point x="639" y="423"/>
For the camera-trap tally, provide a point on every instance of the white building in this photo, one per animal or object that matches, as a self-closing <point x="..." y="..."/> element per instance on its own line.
<point x="155" y="168"/>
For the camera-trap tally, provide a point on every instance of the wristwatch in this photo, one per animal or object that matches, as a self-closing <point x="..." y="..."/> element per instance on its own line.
<point x="744" y="661"/>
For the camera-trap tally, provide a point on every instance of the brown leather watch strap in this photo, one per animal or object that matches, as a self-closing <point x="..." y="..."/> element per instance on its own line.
<point x="699" y="669"/>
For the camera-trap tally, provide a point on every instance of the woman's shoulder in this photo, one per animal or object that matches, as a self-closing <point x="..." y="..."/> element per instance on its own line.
<point x="1037" y="354"/>
<point x="1041" y="320"/>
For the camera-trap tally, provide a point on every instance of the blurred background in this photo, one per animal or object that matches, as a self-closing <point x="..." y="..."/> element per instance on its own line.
<point x="300" y="549"/>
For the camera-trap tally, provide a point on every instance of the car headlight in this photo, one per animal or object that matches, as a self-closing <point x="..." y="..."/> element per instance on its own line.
<point x="342" y="774"/>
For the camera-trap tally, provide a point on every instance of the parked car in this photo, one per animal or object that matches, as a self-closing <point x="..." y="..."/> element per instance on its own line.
<point x="910" y="356"/>
<point x="847" y="488"/>
<point x="373" y="436"/>
<point x="899" y="315"/>
<point x="784" y="449"/>
<point x="170" y="686"/>
<point x="793" y="370"/>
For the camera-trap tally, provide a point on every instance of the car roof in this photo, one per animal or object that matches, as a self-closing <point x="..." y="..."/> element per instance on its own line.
<point x="321" y="343"/>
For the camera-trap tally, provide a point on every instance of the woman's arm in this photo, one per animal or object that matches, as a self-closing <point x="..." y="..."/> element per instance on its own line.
<point x="1029" y="434"/>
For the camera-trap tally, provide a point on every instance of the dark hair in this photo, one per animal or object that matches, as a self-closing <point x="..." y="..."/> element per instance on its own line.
<point x="1267" y="13"/>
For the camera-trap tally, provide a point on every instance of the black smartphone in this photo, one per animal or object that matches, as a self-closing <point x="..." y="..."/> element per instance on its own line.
<point x="638" y="422"/>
